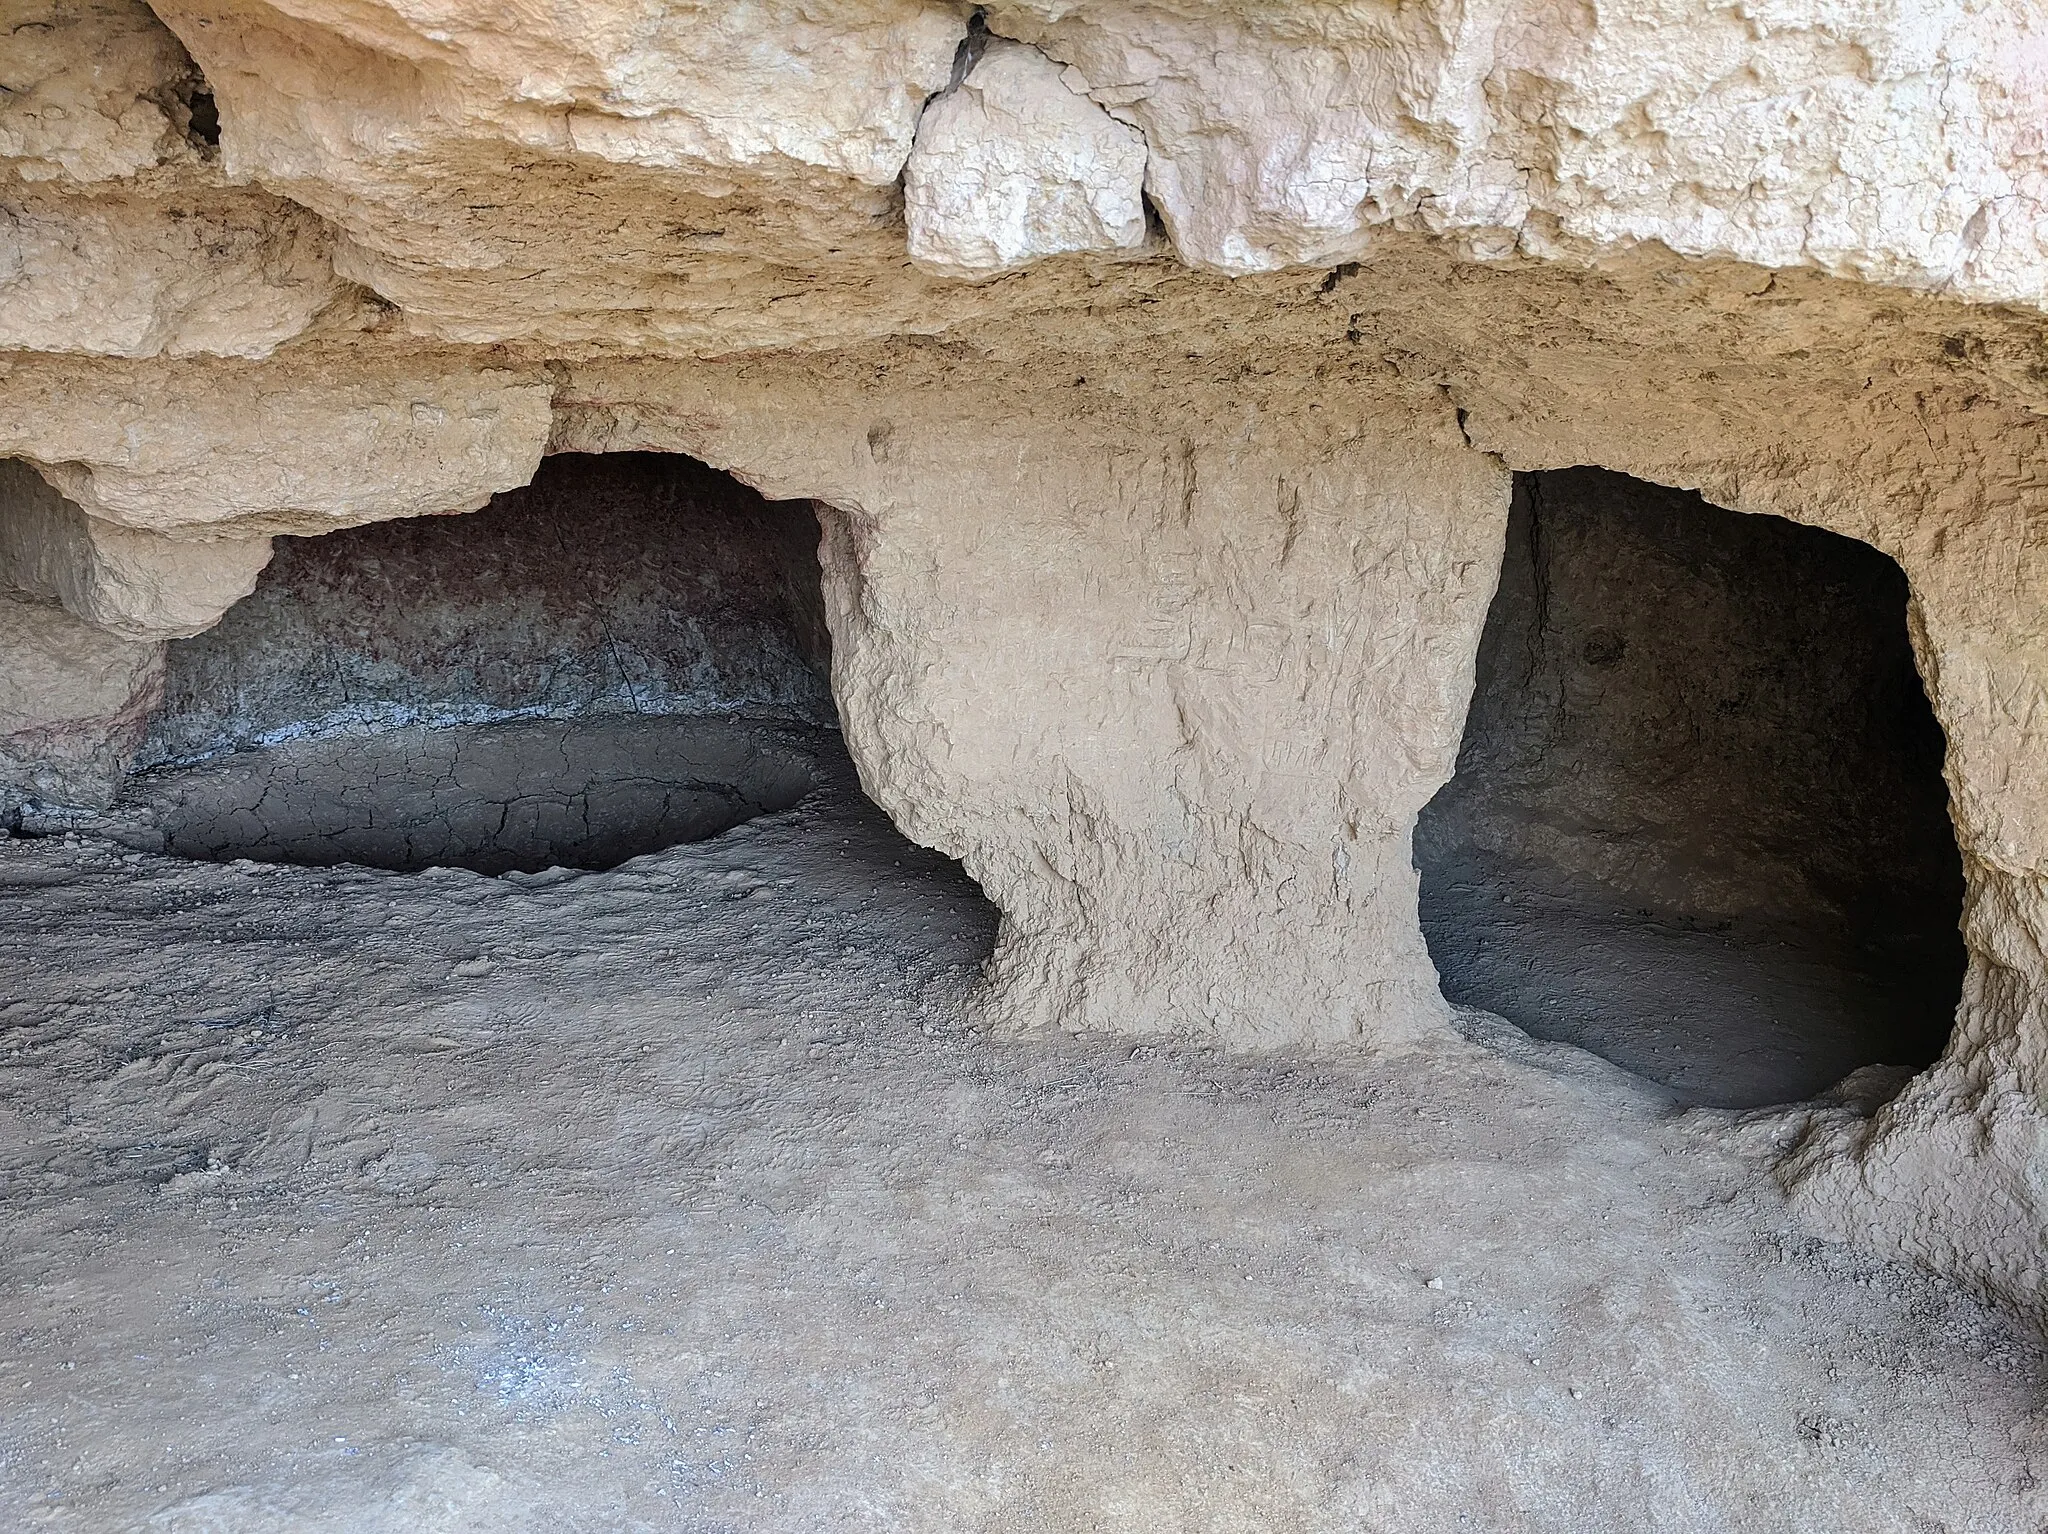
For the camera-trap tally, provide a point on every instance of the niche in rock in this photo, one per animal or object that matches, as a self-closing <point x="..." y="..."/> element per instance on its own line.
<point x="1698" y="824"/>
<point x="626" y="654"/>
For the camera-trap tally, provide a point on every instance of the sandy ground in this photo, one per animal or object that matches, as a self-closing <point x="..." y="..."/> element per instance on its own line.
<point x="1727" y="1018"/>
<point x="679" y="1198"/>
<point x="524" y="794"/>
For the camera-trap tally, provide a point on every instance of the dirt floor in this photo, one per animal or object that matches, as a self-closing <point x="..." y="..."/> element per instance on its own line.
<point x="680" y="1198"/>
<point x="515" y="794"/>
<point x="1724" y="1016"/>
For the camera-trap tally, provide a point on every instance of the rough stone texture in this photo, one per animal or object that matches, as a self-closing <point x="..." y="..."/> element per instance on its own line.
<point x="1194" y="760"/>
<point x="135" y="585"/>
<point x="1554" y="371"/>
<point x="1949" y="1172"/>
<point x="1898" y="140"/>
<point x="193" y="449"/>
<point x="90" y="90"/>
<point x="1016" y="163"/>
<point x="73" y="706"/>
<point x="780" y="88"/>
<point x="629" y="584"/>
<point x="701" y="146"/>
<point x="1539" y="220"/>
<point x="229" y="274"/>
<point x="119" y="235"/>
<point x="727" y="165"/>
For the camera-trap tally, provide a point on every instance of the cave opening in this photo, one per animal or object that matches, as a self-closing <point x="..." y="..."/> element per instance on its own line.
<point x="1698" y="824"/>
<point x="626" y="654"/>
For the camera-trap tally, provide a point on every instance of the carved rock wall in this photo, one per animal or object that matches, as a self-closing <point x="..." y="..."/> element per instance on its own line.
<point x="1158" y="565"/>
<point x="1176" y="708"/>
<point x="1174" y="702"/>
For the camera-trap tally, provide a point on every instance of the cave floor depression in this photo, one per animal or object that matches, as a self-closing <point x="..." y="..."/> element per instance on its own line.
<point x="681" y="1197"/>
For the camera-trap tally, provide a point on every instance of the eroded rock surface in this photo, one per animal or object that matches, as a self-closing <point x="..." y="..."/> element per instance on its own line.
<point x="125" y="276"/>
<point x="74" y="703"/>
<point x="1015" y="163"/>
<point x="134" y="584"/>
<point x="196" y="452"/>
<point x="1158" y="569"/>
<point x="1898" y="141"/>
<point x="96" y="90"/>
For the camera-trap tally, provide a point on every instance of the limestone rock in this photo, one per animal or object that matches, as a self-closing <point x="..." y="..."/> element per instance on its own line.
<point x="154" y="254"/>
<point x="90" y="90"/>
<point x="501" y="174"/>
<point x="695" y="87"/>
<point x="1017" y="163"/>
<point x="168" y="447"/>
<point x="134" y="585"/>
<point x="74" y="703"/>
<point x="1172" y="703"/>
<point x="227" y="273"/>
<point x="1894" y="141"/>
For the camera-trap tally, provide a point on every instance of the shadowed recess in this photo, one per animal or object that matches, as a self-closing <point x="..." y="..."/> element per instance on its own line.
<point x="1698" y="824"/>
<point x="626" y="654"/>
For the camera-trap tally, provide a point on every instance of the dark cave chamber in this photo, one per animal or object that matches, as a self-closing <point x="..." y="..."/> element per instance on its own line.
<point x="1698" y="824"/>
<point x="626" y="654"/>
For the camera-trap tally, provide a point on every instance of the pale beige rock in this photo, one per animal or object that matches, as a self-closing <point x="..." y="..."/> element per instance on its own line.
<point x="134" y="585"/>
<point x="1016" y="163"/>
<point x="90" y="90"/>
<point x="1157" y="588"/>
<point x="729" y="164"/>
<point x="1893" y="140"/>
<point x="74" y="702"/>
<point x="230" y="274"/>
<point x="710" y="154"/>
<point x="696" y="87"/>
<point x="167" y="447"/>
<point x="1174" y="702"/>
<point x="157" y="255"/>
<point x="1176" y="707"/>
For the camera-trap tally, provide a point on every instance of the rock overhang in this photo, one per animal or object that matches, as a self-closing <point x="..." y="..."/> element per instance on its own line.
<point x="1160" y="554"/>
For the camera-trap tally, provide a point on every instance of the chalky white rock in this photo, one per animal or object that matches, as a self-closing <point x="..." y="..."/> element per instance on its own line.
<point x="1015" y="164"/>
